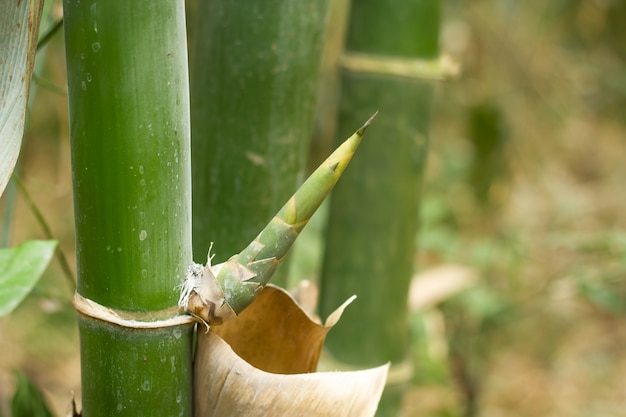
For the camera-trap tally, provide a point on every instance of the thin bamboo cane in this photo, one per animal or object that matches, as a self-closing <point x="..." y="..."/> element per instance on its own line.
<point x="130" y="140"/>
<point x="373" y="213"/>
<point x="254" y="74"/>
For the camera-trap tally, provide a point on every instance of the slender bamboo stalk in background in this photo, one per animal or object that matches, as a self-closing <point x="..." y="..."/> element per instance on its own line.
<point x="254" y="73"/>
<point x="130" y="139"/>
<point x="373" y="214"/>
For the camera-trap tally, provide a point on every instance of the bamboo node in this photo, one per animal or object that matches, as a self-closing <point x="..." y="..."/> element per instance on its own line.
<point x="134" y="320"/>
<point x="437" y="69"/>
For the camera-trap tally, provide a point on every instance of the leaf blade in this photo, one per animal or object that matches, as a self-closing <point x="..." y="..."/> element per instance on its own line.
<point x="28" y="400"/>
<point x="20" y="269"/>
<point x="19" y="27"/>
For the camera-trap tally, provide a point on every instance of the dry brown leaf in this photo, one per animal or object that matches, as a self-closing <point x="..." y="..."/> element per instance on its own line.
<point x="306" y="294"/>
<point x="263" y="365"/>
<point x="275" y="335"/>
<point x="72" y="411"/>
<point x="434" y="285"/>
<point x="226" y="385"/>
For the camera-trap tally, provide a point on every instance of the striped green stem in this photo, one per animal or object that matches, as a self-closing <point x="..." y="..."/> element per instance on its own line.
<point x="259" y="63"/>
<point x="372" y="222"/>
<point x="217" y="293"/>
<point x="131" y="163"/>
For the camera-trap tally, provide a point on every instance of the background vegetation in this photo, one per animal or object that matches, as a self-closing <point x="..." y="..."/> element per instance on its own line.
<point x="543" y="228"/>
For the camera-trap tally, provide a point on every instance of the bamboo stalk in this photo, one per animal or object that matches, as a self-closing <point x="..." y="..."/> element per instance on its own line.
<point x="373" y="213"/>
<point x="254" y="74"/>
<point x="130" y="141"/>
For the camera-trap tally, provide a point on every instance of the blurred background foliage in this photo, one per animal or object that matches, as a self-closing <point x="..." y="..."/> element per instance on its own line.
<point x="524" y="186"/>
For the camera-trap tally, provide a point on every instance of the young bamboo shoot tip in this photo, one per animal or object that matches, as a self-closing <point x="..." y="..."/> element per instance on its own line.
<point x="361" y="131"/>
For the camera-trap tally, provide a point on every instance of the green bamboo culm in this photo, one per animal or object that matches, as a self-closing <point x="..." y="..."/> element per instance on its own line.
<point x="130" y="140"/>
<point x="218" y="293"/>
<point x="371" y="233"/>
<point x="254" y="73"/>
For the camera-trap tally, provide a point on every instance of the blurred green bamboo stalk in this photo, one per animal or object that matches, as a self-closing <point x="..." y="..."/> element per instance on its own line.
<point x="374" y="210"/>
<point x="488" y="134"/>
<point x="254" y="73"/>
<point x="130" y="141"/>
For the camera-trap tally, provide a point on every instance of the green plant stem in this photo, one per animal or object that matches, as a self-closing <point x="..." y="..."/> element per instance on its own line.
<point x="9" y="209"/>
<point x="65" y="266"/>
<point x="254" y="73"/>
<point x="130" y="140"/>
<point x="53" y="30"/>
<point x="374" y="209"/>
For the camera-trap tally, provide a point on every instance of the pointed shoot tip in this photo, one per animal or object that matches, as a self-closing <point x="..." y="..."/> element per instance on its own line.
<point x="361" y="131"/>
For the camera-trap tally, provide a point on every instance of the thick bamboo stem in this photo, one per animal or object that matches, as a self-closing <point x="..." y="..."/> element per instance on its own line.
<point x="373" y="214"/>
<point x="130" y="140"/>
<point x="254" y="74"/>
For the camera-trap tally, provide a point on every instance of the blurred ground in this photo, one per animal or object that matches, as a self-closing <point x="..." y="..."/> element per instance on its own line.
<point x="543" y="332"/>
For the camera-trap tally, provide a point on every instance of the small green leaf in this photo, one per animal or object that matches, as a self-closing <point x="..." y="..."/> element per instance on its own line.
<point x="602" y="295"/>
<point x="20" y="269"/>
<point x="28" y="400"/>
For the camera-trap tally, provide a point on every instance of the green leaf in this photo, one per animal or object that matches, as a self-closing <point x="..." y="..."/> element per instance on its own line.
<point x="19" y="26"/>
<point x="602" y="295"/>
<point x="20" y="269"/>
<point x="28" y="400"/>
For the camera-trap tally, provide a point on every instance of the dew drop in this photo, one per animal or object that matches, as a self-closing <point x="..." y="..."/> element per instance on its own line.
<point x="83" y="86"/>
<point x="93" y="15"/>
<point x="177" y="333"/>
<point x="143" y="235"/>
<point x="95" y="46"/>
<point x="141" y="169"/>
<point x="144" y="273"/>
<point x="146" y="385"/>
<point x="89" y="78"/>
